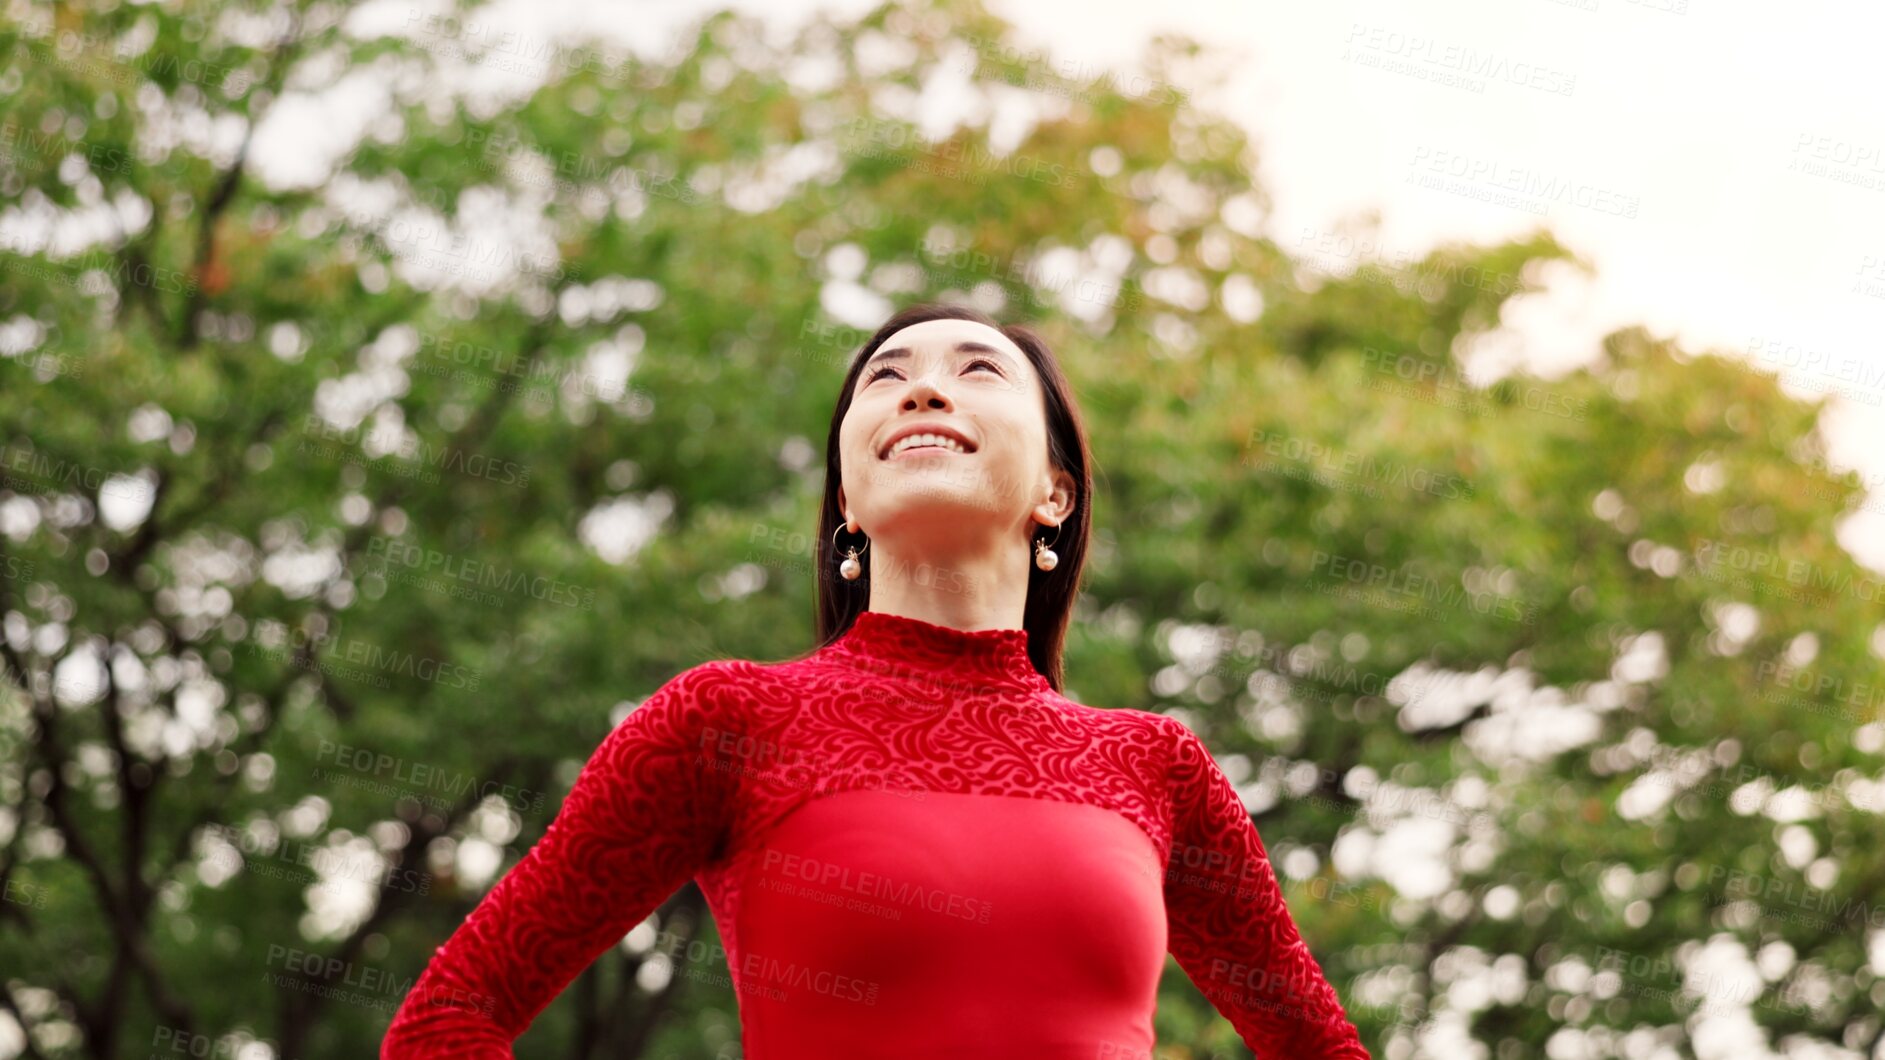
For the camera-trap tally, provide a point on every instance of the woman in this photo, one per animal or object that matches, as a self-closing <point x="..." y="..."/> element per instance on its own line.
<point x="912" y="844"/>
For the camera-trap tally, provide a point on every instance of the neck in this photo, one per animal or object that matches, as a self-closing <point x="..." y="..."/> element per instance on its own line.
<point x="938" y="659"/>
<point x="947" y="585"/>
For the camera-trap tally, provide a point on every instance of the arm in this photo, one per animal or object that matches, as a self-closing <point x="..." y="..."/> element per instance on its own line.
<point x="645" y="814"/>
<point x="1229" y="928"/>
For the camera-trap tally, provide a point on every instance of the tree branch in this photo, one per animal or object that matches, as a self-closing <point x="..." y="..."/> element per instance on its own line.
<point x="225" y="191"/>
<point x="299" y="1011"/>
<point x="689" y="906"/>
<point x="125" y="919"/>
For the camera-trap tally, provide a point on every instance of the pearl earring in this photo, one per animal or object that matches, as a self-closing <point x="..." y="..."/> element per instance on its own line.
<point x="1044" y="557"/>
<point x="850" y="568"/>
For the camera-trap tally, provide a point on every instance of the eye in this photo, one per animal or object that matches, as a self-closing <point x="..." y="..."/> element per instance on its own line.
<point x="886" y="369"/>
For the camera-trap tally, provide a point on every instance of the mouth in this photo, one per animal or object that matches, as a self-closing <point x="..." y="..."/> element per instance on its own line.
<point x="921" y="452"/>
<point x="927" y="444"/>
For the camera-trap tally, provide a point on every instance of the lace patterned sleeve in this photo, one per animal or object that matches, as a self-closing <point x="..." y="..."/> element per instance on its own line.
<point x="645" y="814"/>
<point x="1228" y="926"/>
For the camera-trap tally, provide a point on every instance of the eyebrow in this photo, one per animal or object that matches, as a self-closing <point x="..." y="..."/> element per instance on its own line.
<point x="901" y="353"/>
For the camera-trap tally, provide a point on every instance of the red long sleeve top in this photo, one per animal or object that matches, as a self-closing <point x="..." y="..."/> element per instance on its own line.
<point x="913" y="847"/>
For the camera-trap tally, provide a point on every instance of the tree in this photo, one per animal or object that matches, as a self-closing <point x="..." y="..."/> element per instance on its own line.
<point x="344" y="512"/>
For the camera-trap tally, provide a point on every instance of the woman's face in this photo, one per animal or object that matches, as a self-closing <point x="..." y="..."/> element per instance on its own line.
<point x="966" y="381"/>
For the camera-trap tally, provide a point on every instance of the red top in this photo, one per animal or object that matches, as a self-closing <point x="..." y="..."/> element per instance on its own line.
<point x="912" y="847"/>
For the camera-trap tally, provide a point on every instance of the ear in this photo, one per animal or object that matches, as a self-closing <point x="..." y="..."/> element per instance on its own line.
<point x="844" y="512"/>
<point x="1060" y="501"/>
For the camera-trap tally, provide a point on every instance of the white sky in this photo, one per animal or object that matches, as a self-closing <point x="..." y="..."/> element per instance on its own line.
<point x="1750" y="149"/>
<point x="1697" y="115"/>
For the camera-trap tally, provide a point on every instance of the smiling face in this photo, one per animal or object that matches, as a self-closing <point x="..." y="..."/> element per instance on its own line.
<point x="976" y="396"/>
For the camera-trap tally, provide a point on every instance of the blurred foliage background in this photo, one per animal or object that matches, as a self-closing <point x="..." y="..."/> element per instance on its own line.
<point x="343" y="513"/>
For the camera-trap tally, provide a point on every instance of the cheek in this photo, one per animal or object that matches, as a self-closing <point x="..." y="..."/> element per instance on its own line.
<point x="852" y="443"/>
<point x="1018" y="439"/>
<point x="1011" y="458"/>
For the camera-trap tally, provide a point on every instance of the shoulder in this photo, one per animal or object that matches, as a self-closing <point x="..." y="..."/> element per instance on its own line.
<point x="718" y="672"/>
<point x="1175" y="741"/>
<point x="744" y="677"/>
<point x="1188" y="760"/>
<point x="708" y="693"/>
<point x="1169" y="731"/>
<point x="728" y="689"/>
<point x="1155" y="736"/>
<point x="755" y="671"/>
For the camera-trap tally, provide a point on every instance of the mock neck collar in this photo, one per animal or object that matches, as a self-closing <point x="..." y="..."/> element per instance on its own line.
<point x="892" y="644"/>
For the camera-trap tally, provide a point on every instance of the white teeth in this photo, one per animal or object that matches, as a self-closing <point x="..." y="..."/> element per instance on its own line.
<point x="925" y="439"/>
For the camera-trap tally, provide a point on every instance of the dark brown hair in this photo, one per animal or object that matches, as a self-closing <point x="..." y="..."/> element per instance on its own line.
<point x="1050" y="593"/>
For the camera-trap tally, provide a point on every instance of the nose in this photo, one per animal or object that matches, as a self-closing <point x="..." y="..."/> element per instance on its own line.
<point x="924" y="393"/>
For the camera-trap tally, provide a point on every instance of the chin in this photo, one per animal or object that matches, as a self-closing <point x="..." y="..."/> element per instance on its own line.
<point x="957" y="508"/>
<point x="941" y="478"/>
